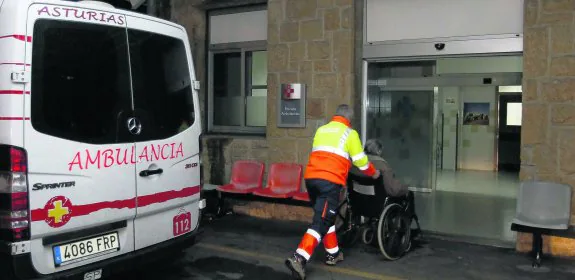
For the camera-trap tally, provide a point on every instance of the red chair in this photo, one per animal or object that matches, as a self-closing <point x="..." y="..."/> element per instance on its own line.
<point x="247" y="176"/>
<point x="284" y="181"/>
<point x="302" y="196"/>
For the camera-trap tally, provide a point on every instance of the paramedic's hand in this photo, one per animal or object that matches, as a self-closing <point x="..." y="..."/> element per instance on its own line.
<point x="376" y="174"/>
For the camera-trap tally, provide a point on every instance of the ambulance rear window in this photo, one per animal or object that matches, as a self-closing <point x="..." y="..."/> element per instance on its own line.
<point x="88" y="79"/>
<point x="161" y="83"/>
<point x="80" y="81"/>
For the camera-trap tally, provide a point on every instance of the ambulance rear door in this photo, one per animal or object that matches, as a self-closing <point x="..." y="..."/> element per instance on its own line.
<point x="167" y="129"/>
<point x="80" y="153"/>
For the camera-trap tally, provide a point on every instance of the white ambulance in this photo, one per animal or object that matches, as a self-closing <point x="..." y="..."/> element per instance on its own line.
<point x="99" y="139"/>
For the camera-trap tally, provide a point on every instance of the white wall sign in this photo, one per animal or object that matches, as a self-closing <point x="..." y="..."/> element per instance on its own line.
<point x="394" y="20"/>
<point x="239" y="27"/>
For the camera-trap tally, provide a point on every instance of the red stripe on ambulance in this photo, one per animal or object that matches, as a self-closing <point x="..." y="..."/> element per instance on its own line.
<point x="14" y="119"/>
<point x="15" y="63"/>
<point x="17" y="92"/>
<point x="142" y="201"/>
<point x="18" y="37"/>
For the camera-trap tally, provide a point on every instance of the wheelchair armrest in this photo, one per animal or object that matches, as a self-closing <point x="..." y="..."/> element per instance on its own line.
<point x="363" y="180"/>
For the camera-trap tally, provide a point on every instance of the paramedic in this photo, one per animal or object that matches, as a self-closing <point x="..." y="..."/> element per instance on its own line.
<point x="334" y="144"/>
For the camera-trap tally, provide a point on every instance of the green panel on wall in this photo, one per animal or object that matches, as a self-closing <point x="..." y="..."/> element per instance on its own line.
<point x="466" y="143"/>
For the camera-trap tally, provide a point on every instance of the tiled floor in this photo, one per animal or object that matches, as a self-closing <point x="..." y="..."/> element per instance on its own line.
<point x="500" y="184"/>
<point x="472" y="205"/>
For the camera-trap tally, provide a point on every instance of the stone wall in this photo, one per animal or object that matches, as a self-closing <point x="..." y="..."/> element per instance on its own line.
<point x="358" y="63"/>
<point x="548" y="131"/>
<point x="220" y="152"/>
<point x="311" y="42"/>
<point x="163" y="9"/>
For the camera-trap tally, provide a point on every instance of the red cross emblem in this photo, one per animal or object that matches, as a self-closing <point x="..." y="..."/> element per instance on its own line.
<point x="288" y="91"/>
<point x="59" y="211"/>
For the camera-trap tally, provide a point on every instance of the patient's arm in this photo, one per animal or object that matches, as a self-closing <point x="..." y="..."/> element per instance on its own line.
<point x="361" y="179"/>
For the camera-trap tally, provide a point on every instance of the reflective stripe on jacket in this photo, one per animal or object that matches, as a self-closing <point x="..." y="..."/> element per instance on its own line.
<point x="334" y="144"/>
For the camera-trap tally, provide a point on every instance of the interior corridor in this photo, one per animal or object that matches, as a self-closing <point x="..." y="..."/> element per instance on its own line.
<point x="475" y="206"/>
<point x="487" y="183"/>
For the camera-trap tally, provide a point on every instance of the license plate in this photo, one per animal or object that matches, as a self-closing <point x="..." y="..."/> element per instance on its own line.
<point x="84" y="249"/>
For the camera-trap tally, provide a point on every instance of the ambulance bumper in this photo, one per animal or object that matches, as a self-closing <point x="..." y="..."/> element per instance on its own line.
<point x="20" y="266"/>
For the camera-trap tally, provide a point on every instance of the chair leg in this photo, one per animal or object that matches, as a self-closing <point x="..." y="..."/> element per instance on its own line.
<point x="223" y="207"/>
<point x="537" y="249"/>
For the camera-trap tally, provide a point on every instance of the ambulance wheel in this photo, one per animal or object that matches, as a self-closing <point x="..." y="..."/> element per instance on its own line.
<point x="393" y="232"/>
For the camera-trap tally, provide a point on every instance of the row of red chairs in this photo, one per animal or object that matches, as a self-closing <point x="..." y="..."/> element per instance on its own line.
<point x="284" y="180"/>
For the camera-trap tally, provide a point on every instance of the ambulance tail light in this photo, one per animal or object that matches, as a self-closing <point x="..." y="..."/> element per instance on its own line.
<point x="14" y="198"/>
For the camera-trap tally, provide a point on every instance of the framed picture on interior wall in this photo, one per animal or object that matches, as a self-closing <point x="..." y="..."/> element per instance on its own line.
<point x="476" y="113"/>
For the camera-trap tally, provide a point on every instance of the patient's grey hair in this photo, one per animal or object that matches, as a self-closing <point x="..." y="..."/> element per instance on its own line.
<point x="345" y="111"/>
<point x="374" y="147"/>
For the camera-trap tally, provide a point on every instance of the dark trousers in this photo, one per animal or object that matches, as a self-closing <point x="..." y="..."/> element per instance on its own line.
<point x="324" y="196"/>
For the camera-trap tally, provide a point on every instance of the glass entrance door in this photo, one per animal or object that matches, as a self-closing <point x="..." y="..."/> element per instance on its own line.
<point x="410" y="109"/>
<point x="404" y="118"/>
<point x="446" y="135"/>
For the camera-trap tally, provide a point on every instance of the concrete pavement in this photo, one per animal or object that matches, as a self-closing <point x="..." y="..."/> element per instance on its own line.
<point x="240" y="247"/>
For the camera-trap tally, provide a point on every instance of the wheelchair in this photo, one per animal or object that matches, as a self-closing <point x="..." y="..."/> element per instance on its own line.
<point x="379" y="220"/>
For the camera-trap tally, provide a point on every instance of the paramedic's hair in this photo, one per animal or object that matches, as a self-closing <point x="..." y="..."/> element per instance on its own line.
<point x="373" y="147"/>
<point x="345" y="111"/>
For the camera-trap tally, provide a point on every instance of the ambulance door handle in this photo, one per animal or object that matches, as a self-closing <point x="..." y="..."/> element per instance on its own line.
<point x="146" y="173"/>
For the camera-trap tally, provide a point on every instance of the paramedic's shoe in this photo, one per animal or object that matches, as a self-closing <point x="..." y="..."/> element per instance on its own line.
<point x="296" y="265"/>
<point x="333" y="259"/>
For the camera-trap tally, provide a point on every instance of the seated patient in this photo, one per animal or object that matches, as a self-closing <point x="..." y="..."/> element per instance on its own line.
<point x="365" y="185"/>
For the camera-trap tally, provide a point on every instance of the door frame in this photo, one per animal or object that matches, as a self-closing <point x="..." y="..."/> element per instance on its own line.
<point x="471" y="79"/>
<point x="504" y="91"/>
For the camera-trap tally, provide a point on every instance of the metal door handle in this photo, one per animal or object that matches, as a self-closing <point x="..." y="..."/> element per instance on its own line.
<point x="146" y="173"/>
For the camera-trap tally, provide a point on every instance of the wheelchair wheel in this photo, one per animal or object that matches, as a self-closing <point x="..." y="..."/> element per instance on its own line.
<point x="346" y="225"/>
<point x="367" y="235"/>
<point x="393" y="232"/>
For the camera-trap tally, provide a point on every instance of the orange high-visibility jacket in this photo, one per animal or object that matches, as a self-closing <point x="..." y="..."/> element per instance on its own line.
<point x="334" y="144"/>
